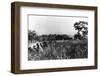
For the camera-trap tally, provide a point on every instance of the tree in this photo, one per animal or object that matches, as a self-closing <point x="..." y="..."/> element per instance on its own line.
<point x="81" y="27"/>
<point x="32" y="35"/>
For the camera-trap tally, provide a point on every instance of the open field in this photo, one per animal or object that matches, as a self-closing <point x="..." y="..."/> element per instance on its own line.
<point x="60" y="49"/>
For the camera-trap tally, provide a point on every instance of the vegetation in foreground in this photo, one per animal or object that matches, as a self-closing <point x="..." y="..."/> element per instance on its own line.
<point x="61" y="50"/>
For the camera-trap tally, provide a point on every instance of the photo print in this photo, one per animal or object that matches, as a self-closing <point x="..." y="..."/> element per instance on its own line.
<point x="53" y="37"/>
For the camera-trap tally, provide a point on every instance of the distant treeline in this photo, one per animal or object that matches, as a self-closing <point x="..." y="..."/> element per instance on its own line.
<point x="54" y="37"/>
<point x="32" y="35"/>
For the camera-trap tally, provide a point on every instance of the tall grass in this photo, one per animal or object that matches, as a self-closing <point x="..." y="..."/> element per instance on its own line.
<point x="65" y="49"/>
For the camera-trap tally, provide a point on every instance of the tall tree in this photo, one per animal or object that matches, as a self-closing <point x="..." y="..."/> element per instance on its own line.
<point x="81" y="26"/>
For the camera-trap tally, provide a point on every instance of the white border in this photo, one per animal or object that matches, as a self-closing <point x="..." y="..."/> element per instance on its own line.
<point x="25" y="64"/>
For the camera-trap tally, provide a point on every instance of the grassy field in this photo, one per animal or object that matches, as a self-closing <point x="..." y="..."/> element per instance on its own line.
<point x="64" y="49"/>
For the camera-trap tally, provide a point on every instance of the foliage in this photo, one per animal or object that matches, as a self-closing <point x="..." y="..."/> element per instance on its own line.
<point x="69" y="49"/>
<point x="32" y="36"/>
<point x="81" y="27"/>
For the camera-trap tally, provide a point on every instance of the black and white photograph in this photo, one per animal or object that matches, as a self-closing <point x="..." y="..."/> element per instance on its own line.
<point x="55" y="37"/>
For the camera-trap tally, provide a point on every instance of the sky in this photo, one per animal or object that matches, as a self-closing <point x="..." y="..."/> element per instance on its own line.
<point x="44" y="24"/>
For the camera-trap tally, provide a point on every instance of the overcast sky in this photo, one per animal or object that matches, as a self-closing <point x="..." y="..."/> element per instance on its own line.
<point x="53" y="24"/>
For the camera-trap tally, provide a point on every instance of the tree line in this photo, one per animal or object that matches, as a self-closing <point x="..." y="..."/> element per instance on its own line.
<point x="32" y="35"/>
